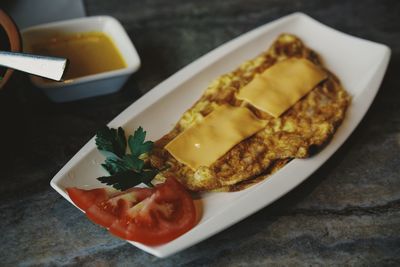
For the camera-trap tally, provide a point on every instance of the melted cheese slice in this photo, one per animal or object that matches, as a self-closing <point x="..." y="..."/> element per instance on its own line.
<point x="203" y="143"/>
<point x="282" y="85"/>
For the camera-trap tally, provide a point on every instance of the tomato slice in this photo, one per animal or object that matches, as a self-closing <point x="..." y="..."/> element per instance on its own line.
<point x="160" y="218"/>
<point x="103" y="207"/>
<point x="108" y="211"/>
<point x="151" y="216"/>
<point x="86" y="198"/>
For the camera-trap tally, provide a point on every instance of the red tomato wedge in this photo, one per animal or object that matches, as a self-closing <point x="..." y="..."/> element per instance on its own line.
<point x="151" y="216"/>
<point x="164" y="216"/>
<point x="86" y="198"/>
<point x="107" y="211"/>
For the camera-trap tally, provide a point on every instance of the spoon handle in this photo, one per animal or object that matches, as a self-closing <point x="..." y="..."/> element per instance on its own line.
<point x="44" y="66"/>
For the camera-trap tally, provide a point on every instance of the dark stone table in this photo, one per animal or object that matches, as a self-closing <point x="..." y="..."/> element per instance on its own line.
<point x="347" y="213"/>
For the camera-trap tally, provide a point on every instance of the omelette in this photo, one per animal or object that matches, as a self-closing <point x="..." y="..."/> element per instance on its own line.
<point x="299" y="132"/>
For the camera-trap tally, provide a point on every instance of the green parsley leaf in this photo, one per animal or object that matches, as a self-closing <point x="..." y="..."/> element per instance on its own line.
<point x="112" y="141"/>
<point x="126" y="170"/>
<point x="137" y="144"/>
<point x="148" y="176"/>
<point x="115" y="165"/>
<point x="133" y="163"/>
<point x="122" y="180"/>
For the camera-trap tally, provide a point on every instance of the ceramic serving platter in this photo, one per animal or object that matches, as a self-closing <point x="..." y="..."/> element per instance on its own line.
<point x="360" y="65"/>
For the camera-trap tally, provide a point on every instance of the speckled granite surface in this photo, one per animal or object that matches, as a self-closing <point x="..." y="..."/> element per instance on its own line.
<point x="347" y="213"/>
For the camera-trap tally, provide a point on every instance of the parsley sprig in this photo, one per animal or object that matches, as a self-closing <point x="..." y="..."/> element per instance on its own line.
<point x="126" y="170"/>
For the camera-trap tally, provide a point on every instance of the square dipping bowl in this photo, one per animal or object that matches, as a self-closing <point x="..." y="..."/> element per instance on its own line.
<point x="91" y="85"/>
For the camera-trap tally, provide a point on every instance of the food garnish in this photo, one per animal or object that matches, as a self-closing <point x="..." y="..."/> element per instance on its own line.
<point x="126" y="170"/>
<point x="151" y="216"/>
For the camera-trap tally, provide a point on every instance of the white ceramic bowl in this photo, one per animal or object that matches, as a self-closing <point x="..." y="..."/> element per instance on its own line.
<point x="91" y="85"/>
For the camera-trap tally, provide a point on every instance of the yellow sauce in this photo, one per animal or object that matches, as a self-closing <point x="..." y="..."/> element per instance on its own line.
<point x="88" y="53"/>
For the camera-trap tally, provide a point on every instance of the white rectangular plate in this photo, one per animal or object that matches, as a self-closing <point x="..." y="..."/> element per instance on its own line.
<point x="359" y="64"/>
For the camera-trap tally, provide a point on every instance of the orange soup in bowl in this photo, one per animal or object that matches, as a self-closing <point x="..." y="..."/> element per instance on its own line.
<point x="88" y="53"/>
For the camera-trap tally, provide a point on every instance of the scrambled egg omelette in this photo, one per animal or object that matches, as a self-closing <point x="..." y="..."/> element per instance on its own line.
<point x="304" y="128"/>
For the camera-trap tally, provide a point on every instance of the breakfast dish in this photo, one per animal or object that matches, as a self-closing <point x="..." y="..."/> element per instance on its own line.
<point x="151" y="216"/>
<point x="248" y="124"/>
<point x="360" y="64"/>
<point x="295" y="133"/>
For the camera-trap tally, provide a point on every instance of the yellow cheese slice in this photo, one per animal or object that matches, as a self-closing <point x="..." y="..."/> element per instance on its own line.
<point x="282" y="85"/>
<point x="203" y="143"/>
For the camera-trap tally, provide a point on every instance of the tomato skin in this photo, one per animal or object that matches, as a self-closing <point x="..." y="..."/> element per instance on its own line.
<point x="100" y="216"/>
<point x="113" y="207"/>
<point x="86" y="198"/>
<point x="153" y="227"/>
<point x="151" y="216"/>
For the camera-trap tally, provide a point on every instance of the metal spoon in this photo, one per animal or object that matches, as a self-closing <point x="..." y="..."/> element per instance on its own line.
<point x="44" y="66"/>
